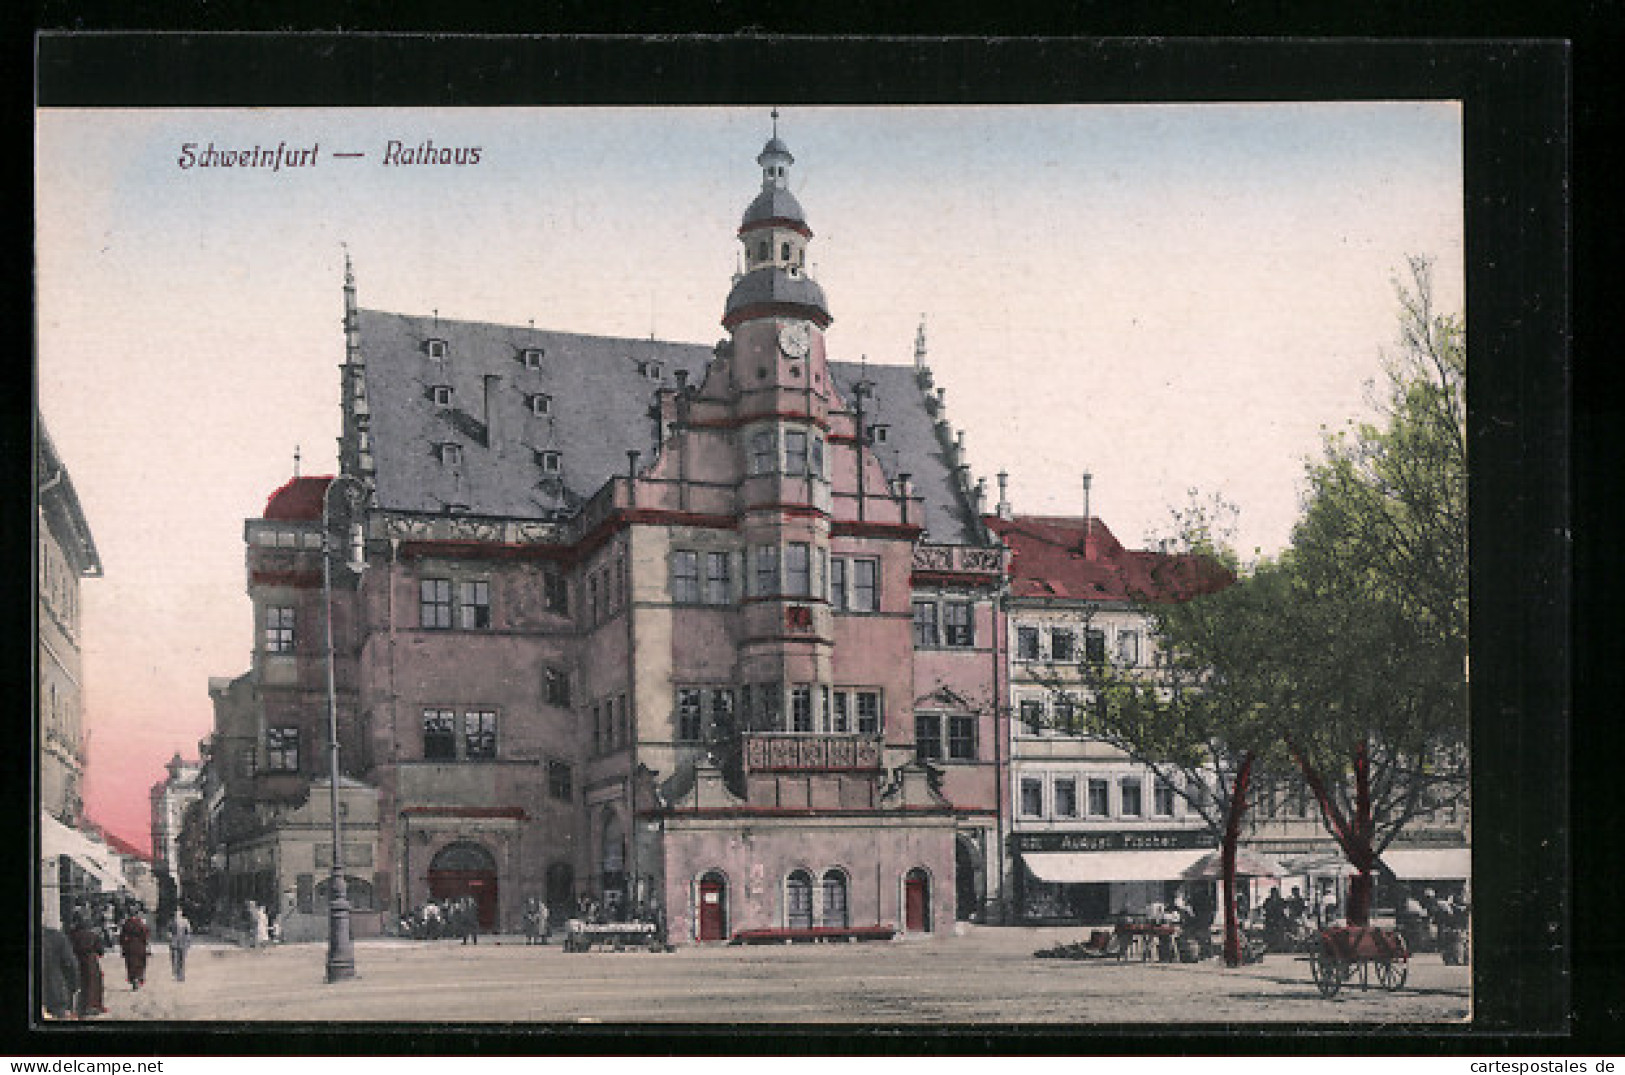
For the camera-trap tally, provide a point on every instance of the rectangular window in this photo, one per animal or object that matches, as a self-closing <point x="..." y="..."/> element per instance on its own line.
<point x="801" y="709"/>
<point x="1162" y="799"/>
<point x="956" y="623"/>
<point x="841" y="719"/>
<point x="1066" y="714"/>
<point x="1094" y="646"/>
<point x="1100" y="798"/>
<point x="439" y="735"/>
<point x="592" y="598"/>
<point x="837" y="584"/>
<point x="480" y="733"/>
<point x="869" y="715"/>
<point x="927" y="736"/>
<point x="556" y="592"/>
<point x="722" y="710"/>
<point x="815" y="465"/>
<point x="767" y="570"/>
<point x="475" y="610"/>
<point x="795" y="451"/>
<point x="865" y="585"/>
<point x="541" y="405"/>
<point x="436" y="348"/>
<point x="1032" y="716"/>
<point x="533" y="358"/>
<point x="434" y="604"/>
<point x="560" y="780"/>
<point x="597" y="731"/>
<point x="1130" y="791"/>
<point x="556" y="687"/>
<point x="282" y="749"/>
<point x="798" y="569"/>
<point x="1063" y="645"/>
<point x="442" y="395"/>
<point x="685" y="577"/>
<point x="718" y="585"/>
<point x="690" y="714"/>
<point x="763" y="453"/>
<point x="1066" y="797"/>
<point x="925" y="624"/>
<point x="1128" y="648"/>
<point x="1032" y="797"/>
<point x="962" y="738"/>
<point x="451" y="454"/>
<point x="278" y="629"/>
<point x="1027" y="643"/>
<point x="770" y="699"/>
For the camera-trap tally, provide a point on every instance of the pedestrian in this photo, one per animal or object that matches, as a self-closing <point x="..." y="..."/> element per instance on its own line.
<point x="260" y="925"/>
<point x="542" y="917"/>
<point x="180" y="940"/>
<point x="532" y="921"/>
<point x="134" y="941"/>
<point x="59" y="974"/>
<point x="88" y="949"/>
<point x="1275" y="930"/>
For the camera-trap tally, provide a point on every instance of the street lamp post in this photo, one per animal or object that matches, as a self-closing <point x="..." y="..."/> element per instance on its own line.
<point x="340" y="945"/>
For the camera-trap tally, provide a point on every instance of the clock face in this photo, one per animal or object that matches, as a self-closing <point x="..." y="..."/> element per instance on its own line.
<point x="795" y="339"/>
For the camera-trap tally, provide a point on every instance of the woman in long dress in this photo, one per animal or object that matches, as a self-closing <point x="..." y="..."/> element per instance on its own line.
<point x="134" y="941"/>
<point x="87" y="949"/>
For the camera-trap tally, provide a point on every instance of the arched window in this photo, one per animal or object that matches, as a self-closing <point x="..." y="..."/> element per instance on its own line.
<point x="612" y="844"/>
<point x="798" y="910"/>
<point x="832" y="911"/>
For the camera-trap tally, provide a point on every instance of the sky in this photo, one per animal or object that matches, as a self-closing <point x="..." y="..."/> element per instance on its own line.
<point x="1170" y="297"/>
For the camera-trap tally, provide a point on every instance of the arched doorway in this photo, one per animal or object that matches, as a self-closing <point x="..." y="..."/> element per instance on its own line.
<point x="713" y="909"/>
<point x="466" y="869"/>
<point x="798" y="906"/>
<point x="561" y="890"/>
<point x="967" y="878"/>
<point x="833" y="912"/>
<point x="917" y="901"/>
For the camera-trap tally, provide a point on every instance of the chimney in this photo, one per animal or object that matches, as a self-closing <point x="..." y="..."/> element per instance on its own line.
<point x="981" y="497"/>
<point x="1090" y="549"/>
<point x="1003" y="509"/>
<point x="493" y="439"/>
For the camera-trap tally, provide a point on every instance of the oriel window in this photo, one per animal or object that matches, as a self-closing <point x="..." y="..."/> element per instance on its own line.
<point x="279" y="636"/>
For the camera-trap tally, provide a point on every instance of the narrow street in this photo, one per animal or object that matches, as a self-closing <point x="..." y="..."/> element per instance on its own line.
<point x="985" y="975"/>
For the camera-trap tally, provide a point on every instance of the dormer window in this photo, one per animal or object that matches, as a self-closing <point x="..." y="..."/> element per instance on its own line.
<point x="437" y="348"/>
<point x="451" y="454"/>
<point x="550" y="462"/>
<point x="533" y="358"/>
<point x="879" y="434"/>
<point x="441" y="393"/>
<point x="651" y="370"/>
<point x="541" y="405"/>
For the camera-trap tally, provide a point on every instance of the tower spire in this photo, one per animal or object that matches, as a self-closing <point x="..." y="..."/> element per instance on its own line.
<point x="919" y="346"/>
<point x="775" y="114"/>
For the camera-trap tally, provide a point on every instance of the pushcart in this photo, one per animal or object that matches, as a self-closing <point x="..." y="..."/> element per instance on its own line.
<point x="1338" y="952"/>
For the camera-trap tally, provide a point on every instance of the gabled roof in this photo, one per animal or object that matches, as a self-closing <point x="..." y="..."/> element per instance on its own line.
<point x="599" y="411"/>
<point x="1074" y="558"/>
<point x="300" y="500"/>
<point x="911" y="447"/>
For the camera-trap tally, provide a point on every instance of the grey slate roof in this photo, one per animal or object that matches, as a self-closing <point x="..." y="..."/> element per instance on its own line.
<point x="911" y="446"/>
<point x="600" y="404"/>
<point x="771" y="284"/>
<point x="773" y="202"/>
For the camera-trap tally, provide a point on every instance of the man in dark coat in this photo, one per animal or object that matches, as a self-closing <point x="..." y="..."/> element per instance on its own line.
<point x="59" y="973"/>
<point x="87" y="949"/>
<point x="134" y="941"/>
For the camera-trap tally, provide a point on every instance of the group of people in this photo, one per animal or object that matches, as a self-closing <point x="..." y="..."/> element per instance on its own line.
<point x="1434" y="923"/>
<point x="535" y="920"/>
<point x="72" y="985"/>
<point x="439" y="919"/>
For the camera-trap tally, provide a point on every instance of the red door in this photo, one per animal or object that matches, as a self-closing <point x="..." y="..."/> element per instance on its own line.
<point x="480" y="884"/>
<point x="916" y="902"/>
<point x="713" y="909"/>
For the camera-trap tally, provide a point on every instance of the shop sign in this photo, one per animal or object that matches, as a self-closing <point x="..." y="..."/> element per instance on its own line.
<point x="1118" y="840"/>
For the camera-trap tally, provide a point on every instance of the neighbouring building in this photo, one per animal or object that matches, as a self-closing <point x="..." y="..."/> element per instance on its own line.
<point x="1094" y="834"/>
<point x="72" y="866"/>
<point x="708" y="629"/>
<point x="170" y="798"/>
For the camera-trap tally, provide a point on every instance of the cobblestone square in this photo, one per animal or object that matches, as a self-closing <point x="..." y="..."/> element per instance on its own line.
<point x="977" y="975"/>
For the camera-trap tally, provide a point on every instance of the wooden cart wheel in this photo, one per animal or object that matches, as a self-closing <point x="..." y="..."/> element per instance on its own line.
<point x="1327" y="973"/>
<point x="1391" y="973"/>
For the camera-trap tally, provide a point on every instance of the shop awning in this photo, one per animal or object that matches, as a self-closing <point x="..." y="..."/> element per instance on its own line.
<point x="57" y="839"/>
<point x="1430" y="864"/>
<point x="1075" y="867"/>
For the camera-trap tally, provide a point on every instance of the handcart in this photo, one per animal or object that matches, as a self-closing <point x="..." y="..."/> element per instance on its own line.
<point x="1338" y="952"/>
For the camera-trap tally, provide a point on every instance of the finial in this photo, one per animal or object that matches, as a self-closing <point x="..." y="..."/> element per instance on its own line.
<point x="775" y="115"/>
<point x="296" y="460"/>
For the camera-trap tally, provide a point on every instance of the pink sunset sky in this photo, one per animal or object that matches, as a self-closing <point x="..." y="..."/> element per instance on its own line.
<point x="1171" y="297"/>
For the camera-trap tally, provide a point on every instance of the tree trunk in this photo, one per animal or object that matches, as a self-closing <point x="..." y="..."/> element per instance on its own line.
<point x="1353" y="836"/>
<point x="1232" y="833"/>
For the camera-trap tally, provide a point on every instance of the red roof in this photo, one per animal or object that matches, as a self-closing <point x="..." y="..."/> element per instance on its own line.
<point x="1080" y="559"/>
<point x="298" y="501"/>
